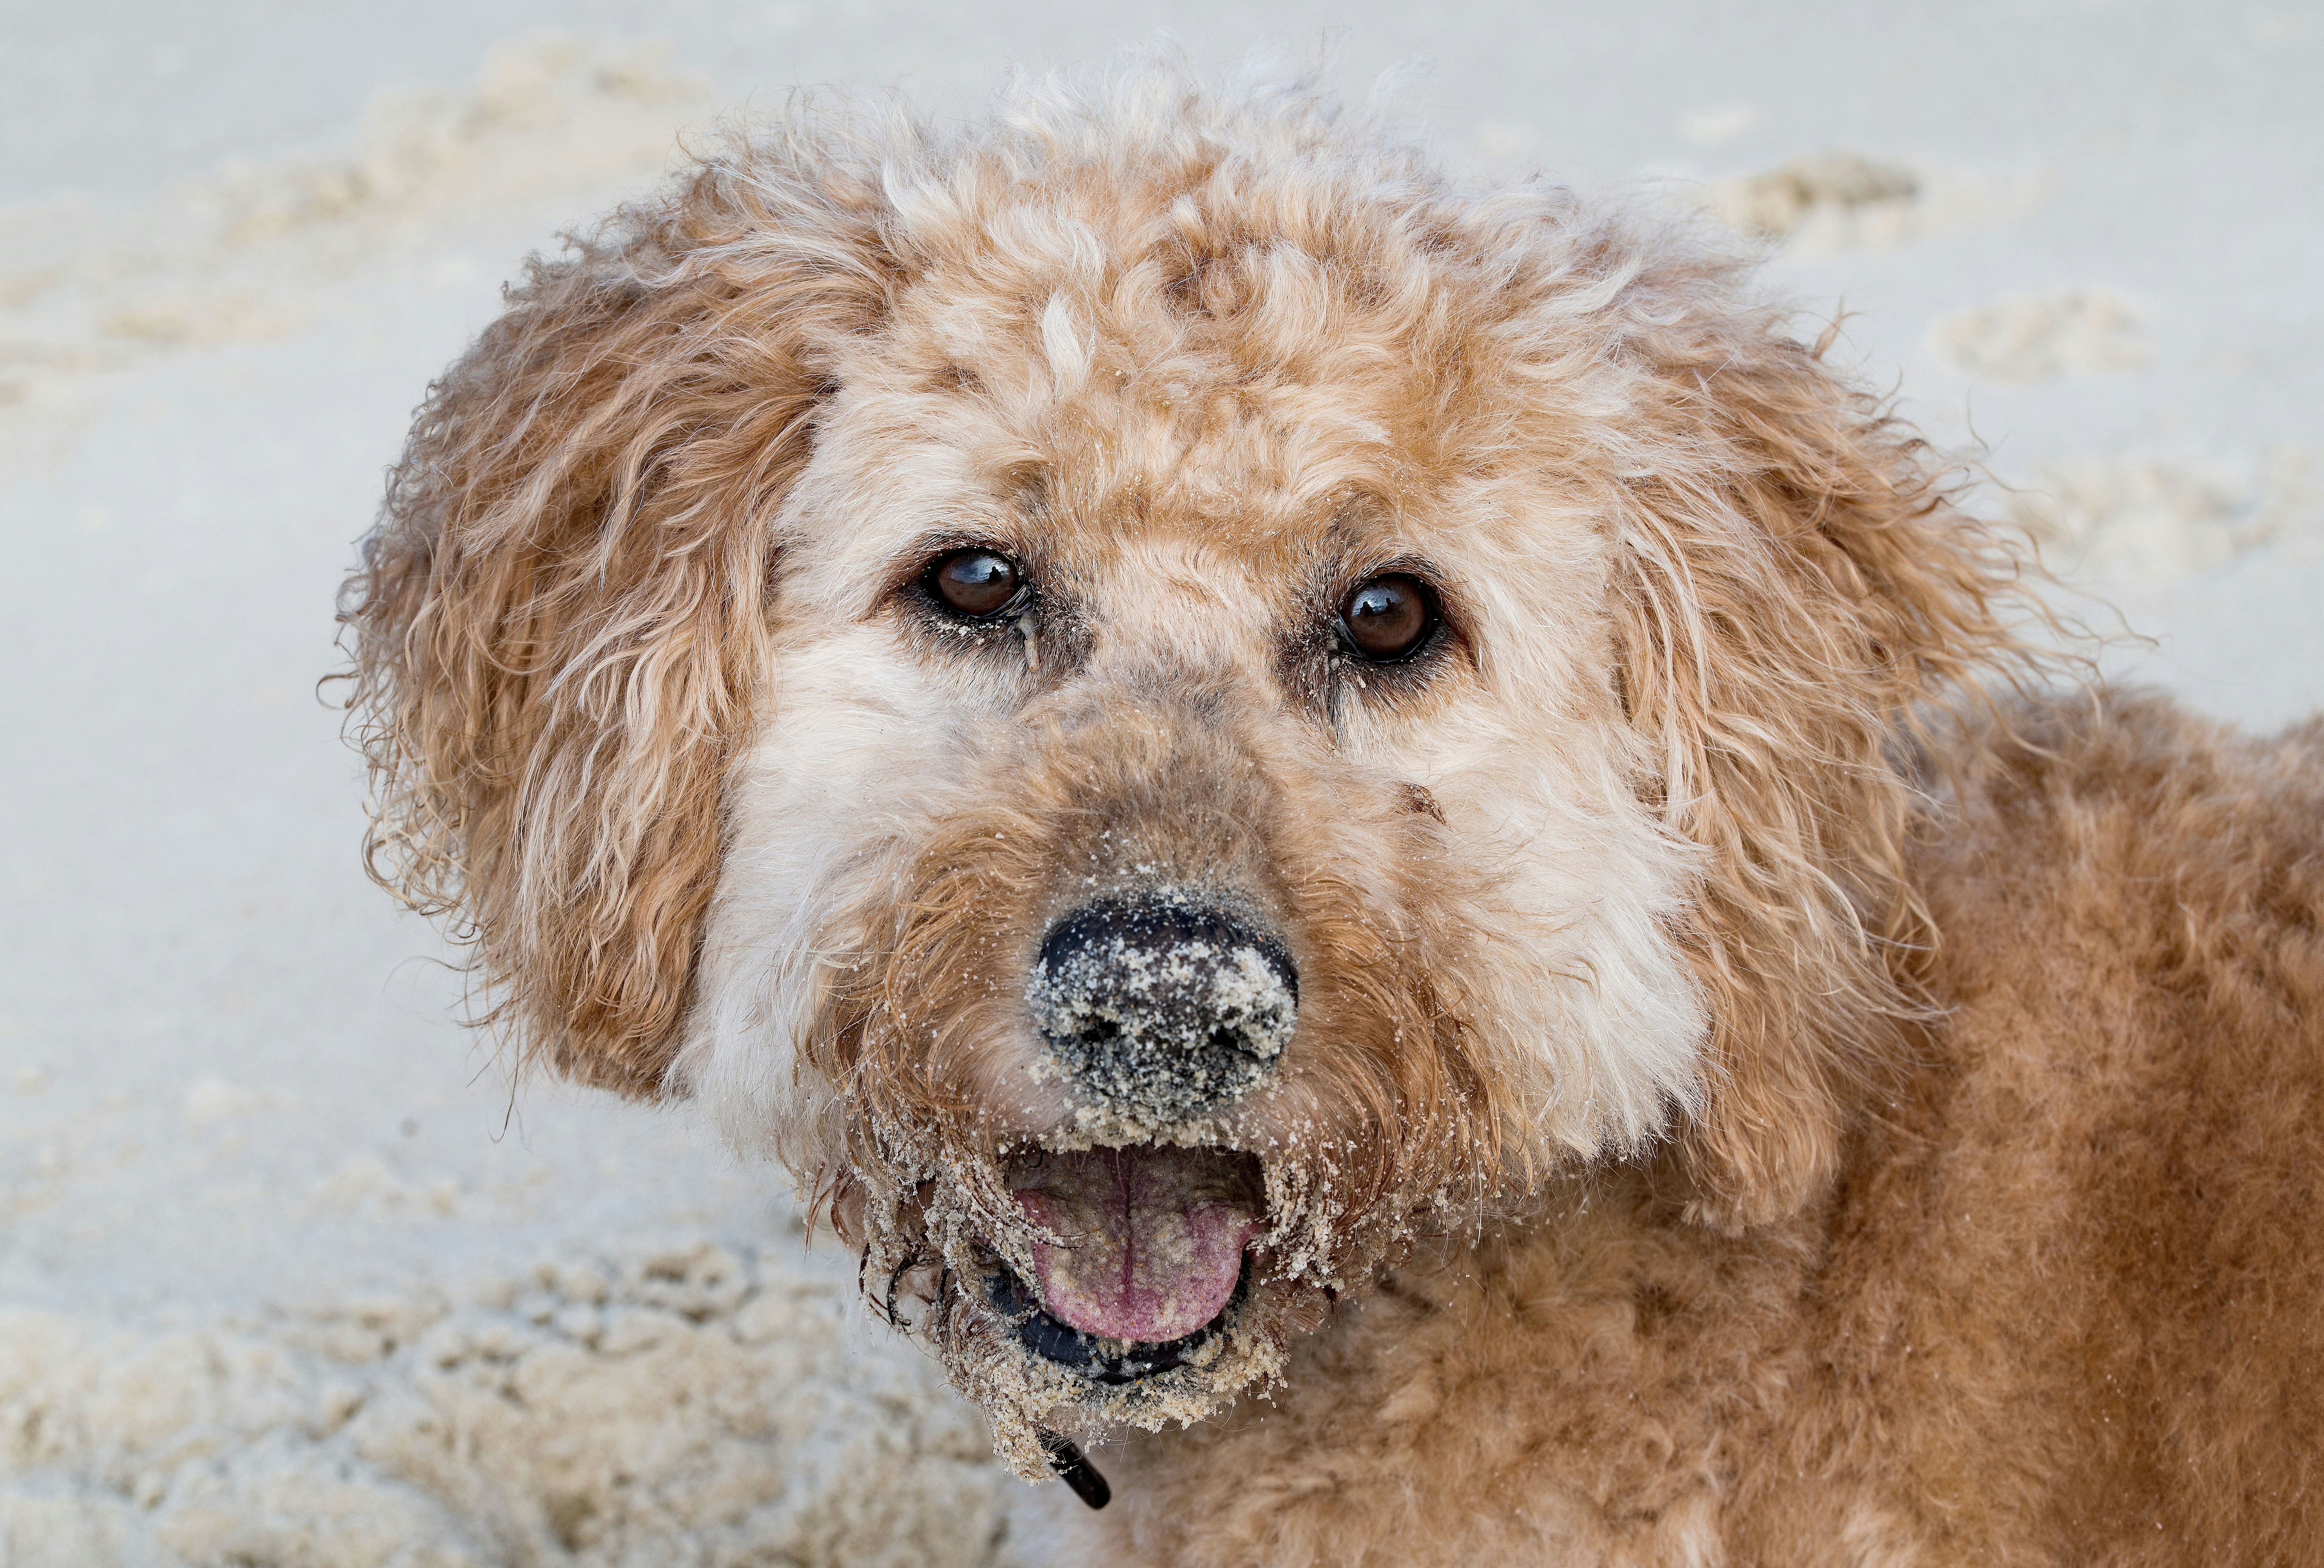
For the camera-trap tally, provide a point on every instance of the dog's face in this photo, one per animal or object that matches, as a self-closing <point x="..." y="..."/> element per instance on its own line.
<point x="1152" y="702"/>
<point x="1190" y="816"/>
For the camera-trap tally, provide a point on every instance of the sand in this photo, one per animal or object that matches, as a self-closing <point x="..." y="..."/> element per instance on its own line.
<point x="696" y="1405"/>
<point x="289" y="1273"/>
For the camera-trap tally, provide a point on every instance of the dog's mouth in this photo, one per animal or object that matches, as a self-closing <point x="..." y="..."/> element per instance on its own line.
<point x="1151" y="1255"/>
<point x="1099" y="1358"/>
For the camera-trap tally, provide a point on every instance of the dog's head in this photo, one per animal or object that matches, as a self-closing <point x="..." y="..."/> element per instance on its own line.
<point x="1153" y="695"/>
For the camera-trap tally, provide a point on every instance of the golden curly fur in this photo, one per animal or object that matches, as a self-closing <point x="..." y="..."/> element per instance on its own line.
<point x="1761" y="1091"/>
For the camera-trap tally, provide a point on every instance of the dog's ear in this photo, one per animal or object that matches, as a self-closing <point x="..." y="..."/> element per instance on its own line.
<point x="561" y="613"/>
<point x="1795" y="586"/>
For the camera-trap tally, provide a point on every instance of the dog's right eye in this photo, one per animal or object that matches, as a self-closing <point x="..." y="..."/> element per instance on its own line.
<point x="1388" y="618"/>
<point x="976" y="584"/>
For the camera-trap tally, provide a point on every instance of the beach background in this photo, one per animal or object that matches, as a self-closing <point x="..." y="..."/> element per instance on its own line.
<point x="290" y="1274"/>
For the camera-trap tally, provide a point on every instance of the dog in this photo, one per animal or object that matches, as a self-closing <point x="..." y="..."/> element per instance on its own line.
<point x="1409" y="880"/>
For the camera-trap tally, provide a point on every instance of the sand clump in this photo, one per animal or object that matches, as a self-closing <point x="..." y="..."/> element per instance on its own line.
<point x="1836" y="202"/>
<point x="2143" y="522"/>
<point x="551" y="124"/>
<point x="1783" y="200"/>
<point x="699" y="1405"/>
<point x="550" y="106"/>
<point x="2029" y="339"/>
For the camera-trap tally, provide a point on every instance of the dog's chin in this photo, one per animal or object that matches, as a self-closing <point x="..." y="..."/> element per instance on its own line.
<point x="1149" y="1264"/>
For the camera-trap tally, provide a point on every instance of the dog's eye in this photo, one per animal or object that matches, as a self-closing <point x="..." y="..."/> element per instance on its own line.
<point x="1387" y="618"/>
<point x="976" y="583"/>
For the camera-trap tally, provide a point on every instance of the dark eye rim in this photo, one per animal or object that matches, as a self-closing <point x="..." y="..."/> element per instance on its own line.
<point x="1431" y="603"/>
<point x="925" y="584"/>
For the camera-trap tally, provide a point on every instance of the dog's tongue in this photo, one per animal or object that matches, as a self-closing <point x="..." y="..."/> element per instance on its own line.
<point x="1153" y="1239"/>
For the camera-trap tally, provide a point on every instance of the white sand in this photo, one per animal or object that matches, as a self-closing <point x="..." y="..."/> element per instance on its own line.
<point x="285" y="1278"/>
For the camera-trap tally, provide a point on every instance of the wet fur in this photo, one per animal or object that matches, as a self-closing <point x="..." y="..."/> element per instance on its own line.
<point x="1762" y="1087"/>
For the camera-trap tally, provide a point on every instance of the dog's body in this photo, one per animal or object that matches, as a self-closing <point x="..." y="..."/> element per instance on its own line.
<point x="1274" y="776"/>
<point x="2060" y="1307"/>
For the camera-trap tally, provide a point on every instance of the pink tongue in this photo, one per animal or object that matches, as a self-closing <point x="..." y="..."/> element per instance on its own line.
<point x="1153" y="1240"/>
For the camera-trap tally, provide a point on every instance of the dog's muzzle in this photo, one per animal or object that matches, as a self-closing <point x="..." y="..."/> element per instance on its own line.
<point x="1161" y="1010"/>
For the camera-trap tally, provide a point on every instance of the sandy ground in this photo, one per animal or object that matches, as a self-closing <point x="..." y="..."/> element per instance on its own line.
<point x="287" y="1275"/>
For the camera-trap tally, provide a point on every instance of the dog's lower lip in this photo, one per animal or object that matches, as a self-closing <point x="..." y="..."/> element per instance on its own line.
<point x="1080" y="1354"/>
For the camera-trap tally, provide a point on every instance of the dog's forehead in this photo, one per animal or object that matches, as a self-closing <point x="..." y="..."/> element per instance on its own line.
<point x="1288" y="415"/>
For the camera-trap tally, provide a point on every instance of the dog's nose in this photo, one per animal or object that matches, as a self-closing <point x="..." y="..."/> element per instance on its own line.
<point x="1163" y="1009"/>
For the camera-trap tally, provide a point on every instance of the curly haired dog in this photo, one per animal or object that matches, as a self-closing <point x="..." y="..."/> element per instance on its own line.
<point x="1274" y="776"/>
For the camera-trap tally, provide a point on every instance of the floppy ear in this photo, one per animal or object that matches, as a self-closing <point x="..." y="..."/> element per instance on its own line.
<point x="1797" y="585"/>
<point x="561" y="611"/>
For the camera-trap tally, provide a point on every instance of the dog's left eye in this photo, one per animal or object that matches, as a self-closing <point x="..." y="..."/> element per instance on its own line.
<point x="976" y="584"/>
<point x="1387" y="618"/>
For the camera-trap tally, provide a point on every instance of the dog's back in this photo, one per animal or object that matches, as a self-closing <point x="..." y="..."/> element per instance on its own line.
<point x="2080" y="1279"/>
<point x="2063" y="1306"/>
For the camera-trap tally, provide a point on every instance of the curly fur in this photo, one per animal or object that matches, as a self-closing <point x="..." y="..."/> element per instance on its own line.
<point x="1682" y="942"/>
